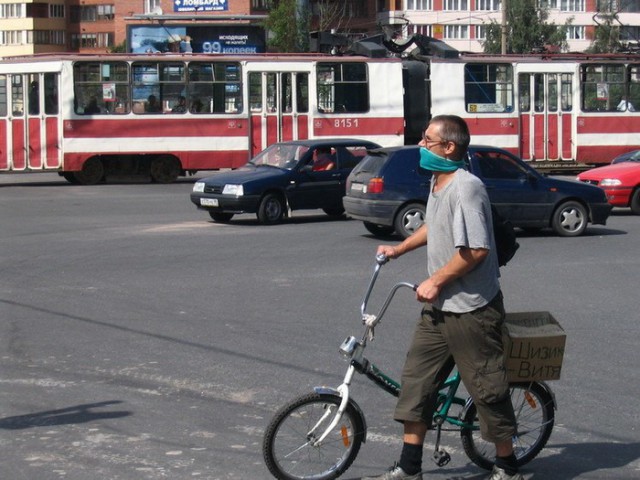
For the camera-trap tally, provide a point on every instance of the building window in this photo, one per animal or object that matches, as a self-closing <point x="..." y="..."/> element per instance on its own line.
<point x="149" y="5"/>
<point x="488" y="5"/>
<point x="572" y="5"/>
<point x="92" y="13"/>
<point x="91" y="40"/>
<point x="575" y="32"/>
<point x="260" y="4"/>
<point x="456" y="31"/>
<point x="629" y="33"/>
<point x="481" y="32"/>
<point x="12" y="37"/>
<point x="56" y="11"/>
<point x="37" y="10"/>
<point x="419" y="4"/>
<point x="550" y="4"/>
<point x="13" y="10"/>
<point x="46" y="37"/>
<point x="420" y="29"/>
<point x="456" y="5"/>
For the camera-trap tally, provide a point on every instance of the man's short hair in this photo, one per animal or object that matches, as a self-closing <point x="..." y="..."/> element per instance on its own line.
<point x="454" y="129"/>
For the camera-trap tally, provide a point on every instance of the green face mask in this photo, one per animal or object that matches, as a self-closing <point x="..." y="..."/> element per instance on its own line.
<point x="436" y="163"/>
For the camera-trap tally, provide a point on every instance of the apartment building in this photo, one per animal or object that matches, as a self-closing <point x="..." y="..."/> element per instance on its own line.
<point x="462" y="23"/>
<point x="98" y="26"/>
<point x="32" y="26"/>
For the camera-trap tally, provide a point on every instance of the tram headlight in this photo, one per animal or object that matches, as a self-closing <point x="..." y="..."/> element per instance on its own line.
<point x="230" y="189"/>
<point x="198" y="187"/>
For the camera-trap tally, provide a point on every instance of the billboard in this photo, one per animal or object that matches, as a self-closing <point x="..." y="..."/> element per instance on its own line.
<point x="196" y="39"/>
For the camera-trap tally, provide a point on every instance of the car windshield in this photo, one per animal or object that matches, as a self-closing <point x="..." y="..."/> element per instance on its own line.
<point x="280" y="156"/>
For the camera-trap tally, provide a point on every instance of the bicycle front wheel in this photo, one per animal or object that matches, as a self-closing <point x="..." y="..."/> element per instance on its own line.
<point x="289" y="447"/>
<point x="533" y="406"/>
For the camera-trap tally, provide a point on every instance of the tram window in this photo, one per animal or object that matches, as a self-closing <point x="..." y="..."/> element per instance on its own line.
<point x="552" y="92"/>
<point x="488" y="88"/>
<point x="216" y="86"/>
<point x="302" y="92"/>
<point x="523" y="90"/>
<point x="3" y="95"/>
<point x="342" y="88"/>
<point x="17" y="95"/>
<point x="101" y="88"/>
<point x="603" y="87"/>
<point x="255" y="91"/>
<point x="51" y="93"/>
<point x="157" y="86"/>
<point x="33" y="97"/>
<point x="634" y="88"/>
<point x="566" y="92"/>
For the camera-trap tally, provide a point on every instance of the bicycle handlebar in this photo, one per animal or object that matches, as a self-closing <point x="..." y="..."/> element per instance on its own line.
<point x="372" y="320"/>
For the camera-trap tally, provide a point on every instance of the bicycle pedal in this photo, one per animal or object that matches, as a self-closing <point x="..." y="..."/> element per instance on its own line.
<point x="441" y="458"/>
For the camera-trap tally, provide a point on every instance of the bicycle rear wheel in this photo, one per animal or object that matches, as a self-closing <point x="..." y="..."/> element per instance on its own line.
<point x="288" y="448"/>
<point x="535" y="415"/>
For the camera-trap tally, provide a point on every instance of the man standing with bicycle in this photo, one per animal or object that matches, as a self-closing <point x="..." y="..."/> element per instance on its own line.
<point x="461" y="322"/>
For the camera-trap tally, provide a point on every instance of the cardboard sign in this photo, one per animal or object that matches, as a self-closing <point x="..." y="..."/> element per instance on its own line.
<point x="534" y="346"/>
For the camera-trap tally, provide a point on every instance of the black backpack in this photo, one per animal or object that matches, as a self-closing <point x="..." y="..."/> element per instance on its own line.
<point x="505" y="236"/>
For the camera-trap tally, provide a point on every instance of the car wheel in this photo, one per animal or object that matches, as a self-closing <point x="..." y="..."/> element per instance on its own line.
<point x="334" y="212"/>
<point x="271" y="209"/>
<point x="220" y="217"/>
<point x="635" y="202"/>
<point x="570" y="219"/>
<point x="409" y="219"/>
<point x="379" y="230"/>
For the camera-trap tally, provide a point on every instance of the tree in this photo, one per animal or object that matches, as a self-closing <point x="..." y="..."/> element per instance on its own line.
<point x="607" y="34"/>
<point x="288" y="27"/>
<point x="527" y="29"/>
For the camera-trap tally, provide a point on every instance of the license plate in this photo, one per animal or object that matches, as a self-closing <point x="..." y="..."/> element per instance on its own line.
<point x="357" y="187"/>
<point x="209" y="202"/>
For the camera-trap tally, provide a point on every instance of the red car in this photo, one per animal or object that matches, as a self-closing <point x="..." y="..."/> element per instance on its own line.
<point x="620" y="182"/>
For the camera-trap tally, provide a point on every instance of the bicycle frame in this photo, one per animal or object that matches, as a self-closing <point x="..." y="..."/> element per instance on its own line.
<point x="354" y="349"/>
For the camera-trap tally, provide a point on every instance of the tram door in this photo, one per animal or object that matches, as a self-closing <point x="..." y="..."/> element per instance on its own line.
<point x="279" y="107"/>
<point x="30" y="125"/>
<point x="546" y="116"/>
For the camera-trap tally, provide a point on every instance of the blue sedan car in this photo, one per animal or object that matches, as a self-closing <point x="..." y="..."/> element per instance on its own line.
<point x="302" y="174"/>
<point x="388" y="191"/>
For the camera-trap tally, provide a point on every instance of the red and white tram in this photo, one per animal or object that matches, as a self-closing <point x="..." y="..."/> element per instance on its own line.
<point x="86" y="116"/>
<point x="554" y="110"/>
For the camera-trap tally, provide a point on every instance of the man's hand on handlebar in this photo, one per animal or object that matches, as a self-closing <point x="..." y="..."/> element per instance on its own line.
<point x="388" y="251"/>
<point x="427" y="291"/>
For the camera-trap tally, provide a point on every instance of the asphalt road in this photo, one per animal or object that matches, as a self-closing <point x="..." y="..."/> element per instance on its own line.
<point x="139" y="340"/>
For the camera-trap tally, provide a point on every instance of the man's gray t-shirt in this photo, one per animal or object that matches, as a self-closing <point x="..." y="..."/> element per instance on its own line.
<point x="459" y="215"/>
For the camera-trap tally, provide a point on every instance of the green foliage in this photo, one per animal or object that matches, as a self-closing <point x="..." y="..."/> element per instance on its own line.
<point x="607" y="36"/>
<point x="527" y="30"/>
<point x="120" y="48"/>
<point x="288" y="27"/>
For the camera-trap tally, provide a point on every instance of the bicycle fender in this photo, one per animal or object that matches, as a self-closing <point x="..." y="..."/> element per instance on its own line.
<point x="352" y="402"/>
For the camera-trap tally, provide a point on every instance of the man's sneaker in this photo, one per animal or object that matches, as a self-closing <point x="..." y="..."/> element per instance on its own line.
<point x="499" y="474"/>
<point x="396" y="473"/>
